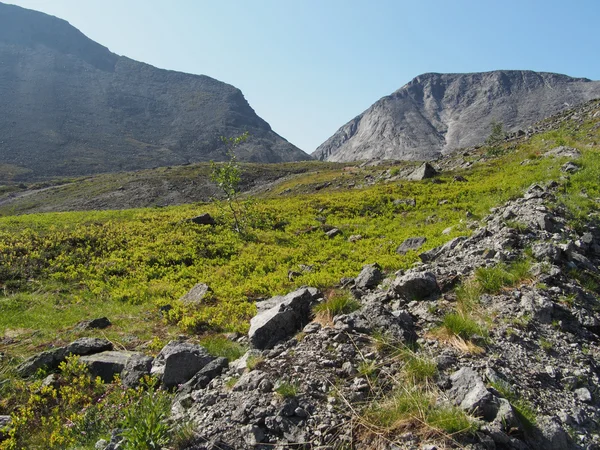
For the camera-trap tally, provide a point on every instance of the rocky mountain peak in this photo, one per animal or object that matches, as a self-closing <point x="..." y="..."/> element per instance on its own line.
<point x="71" y="107"/>
<point x="437" y="113"/>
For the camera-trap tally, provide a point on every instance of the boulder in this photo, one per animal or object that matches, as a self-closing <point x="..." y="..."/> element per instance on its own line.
<point x="99" y="324"/>
<point x="416" y="285"/>
<point x="369" y="277"/>
<point x="285" y="316"/>
<point x="205" y="375"/>
<point x="106" y="364"/>
<point x="196" y="294"/>
<point x="413" y="243"/>
<point x="4" y="426"/>
<point x="426" y="170"/>
<point x="136" y="367"/>
<point x="52" y="358"/>
<point x="333" y="233"/>
<point x="203" y="219"/>
<point x="178" y="362"/>
<point x="470" y="394"/>
<point x="538" y="306"/>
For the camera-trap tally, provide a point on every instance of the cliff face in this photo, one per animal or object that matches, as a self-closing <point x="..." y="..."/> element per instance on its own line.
<point x="71" y="107"/>
<point x="438" y="113"/>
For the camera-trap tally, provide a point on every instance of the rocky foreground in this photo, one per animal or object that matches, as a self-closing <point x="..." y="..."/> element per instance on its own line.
<point x="528" y="380"/>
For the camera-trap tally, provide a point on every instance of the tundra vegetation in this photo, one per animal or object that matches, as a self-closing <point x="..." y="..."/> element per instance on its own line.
<point x="58" y="269"/>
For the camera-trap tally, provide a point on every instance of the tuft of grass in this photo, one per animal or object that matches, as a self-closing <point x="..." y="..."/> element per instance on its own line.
<point x="492" y="279"/>
<point x="546" y="345"/>
<point x="229" y="384"/>
<point x="254" y="362"/>
<point x="218" y="345"/>
<point x="287" y="389"/>
<point x="339" y="302"/>
<point x="418" y="368"/>
<point x="464" y="326"/>
<point x="416" y="409"/>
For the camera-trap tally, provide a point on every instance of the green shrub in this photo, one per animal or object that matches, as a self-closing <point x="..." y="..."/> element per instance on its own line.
<point x="145" y="421"/>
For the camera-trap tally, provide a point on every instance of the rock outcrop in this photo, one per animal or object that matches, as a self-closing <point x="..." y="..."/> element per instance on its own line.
<point x="328" y="367"/>
<point x="438" y="113"/>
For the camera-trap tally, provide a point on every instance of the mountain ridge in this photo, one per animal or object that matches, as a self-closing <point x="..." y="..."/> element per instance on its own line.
<point x="437" y="113"/>
<point x="72" y="107"/>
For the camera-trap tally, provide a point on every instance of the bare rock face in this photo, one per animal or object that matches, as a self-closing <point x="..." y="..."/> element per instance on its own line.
<point x="71" y="107"/>
<point x="437" y="113"/>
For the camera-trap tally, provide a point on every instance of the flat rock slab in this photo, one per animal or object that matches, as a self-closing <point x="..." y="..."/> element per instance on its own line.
<point x="413" y="243"/>
<point x="52" y="358"/>
<point x="196" y="294"/>
<point x="107" y="364"/>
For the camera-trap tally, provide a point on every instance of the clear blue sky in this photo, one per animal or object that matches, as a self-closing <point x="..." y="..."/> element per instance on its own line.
<point x="309" y="66"/>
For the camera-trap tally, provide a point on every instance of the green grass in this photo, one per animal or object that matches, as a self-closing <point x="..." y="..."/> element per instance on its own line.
<point x="493" y="279"/>
<point x="418" y="410"/>
<point x="57" y="269"/>
<point x="338" y="303"/>
<point x="218" y="345"/>
<point x="287" y="389"/>
<point x="464" y="326"/>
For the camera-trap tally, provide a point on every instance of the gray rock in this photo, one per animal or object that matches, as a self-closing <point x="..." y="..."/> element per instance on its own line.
<point x="99" y="323"/>
<point x="253" y="434"/>
<point x="52" y="358"/>
<point x="106" y="364"/>
<point x="203" y="219"/>
<point x="409" y="244"/>
<point x="4" y="425"/>
<point x="369" y="277"/>
<point x="240" y="365"/>
<point x="550" y="435"/>
<point x="563" y="152"/>
<point x="405" y="201"/>
<point x="136" y="367"/>
<point x="424" y="171"/>
<point x="570" y="167"/>
<point x="584" y="395"/>
<point x="469" y="393"/>
<point x="333" y="233"/>
<point x="178" y="362"/>
<point x="546" y="251"/>
<point x="355" y="238"/>
<point x="196" y="294"/>
<point x="416" y="285"/>
<point x="538" y="306"/>
<point x="288" y="315"/>
<point x="101" y="444"/>
<point x="250" y="381"/>
<point x="205" y="375"/>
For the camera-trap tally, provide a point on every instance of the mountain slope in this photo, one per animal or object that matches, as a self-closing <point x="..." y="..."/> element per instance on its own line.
<point x="437" y="113"/>
<point x="71" y="107"/>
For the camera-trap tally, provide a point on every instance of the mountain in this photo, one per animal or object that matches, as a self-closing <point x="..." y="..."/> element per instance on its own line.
<point x="71" y="107"/>
<point x="437" y="113"/>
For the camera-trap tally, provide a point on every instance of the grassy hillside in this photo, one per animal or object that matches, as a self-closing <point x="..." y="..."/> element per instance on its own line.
<point x="57" y="269"/>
